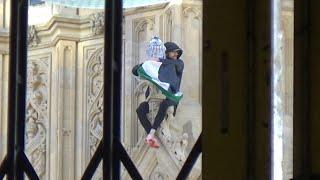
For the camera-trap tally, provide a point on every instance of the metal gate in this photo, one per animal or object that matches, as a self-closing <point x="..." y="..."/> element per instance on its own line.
<point x="110" y="149"/>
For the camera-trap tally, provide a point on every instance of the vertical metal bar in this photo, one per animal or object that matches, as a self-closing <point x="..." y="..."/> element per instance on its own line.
<point x="21" y="83"/>
<point x="12" y="103"/>
<point x="108" y="89"/>
<point x="117" y="85"/>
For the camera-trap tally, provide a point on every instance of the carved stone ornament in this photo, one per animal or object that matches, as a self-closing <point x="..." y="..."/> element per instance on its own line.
<point x="97" y="23"/>
<point x="95" y="103"/>
<point x="33" y="39"/>
<point x="37" y="116"/>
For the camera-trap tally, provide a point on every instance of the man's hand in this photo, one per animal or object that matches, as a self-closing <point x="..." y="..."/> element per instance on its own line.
<point x="135" y="69"/>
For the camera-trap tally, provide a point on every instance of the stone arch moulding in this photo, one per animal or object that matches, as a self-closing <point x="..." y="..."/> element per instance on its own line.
<point x="141" y="22"/>
<point x="195" y="10"/>
<point x="192" y="32"/>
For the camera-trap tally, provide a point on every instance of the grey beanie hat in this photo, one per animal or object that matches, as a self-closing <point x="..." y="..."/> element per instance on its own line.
<point x="156" y="48"/>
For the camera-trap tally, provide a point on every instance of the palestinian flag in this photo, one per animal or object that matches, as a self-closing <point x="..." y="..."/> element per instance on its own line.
<point x="149" y="71"/>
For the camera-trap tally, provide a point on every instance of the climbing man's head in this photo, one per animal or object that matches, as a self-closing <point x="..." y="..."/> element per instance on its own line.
<point x="173" y="51"/>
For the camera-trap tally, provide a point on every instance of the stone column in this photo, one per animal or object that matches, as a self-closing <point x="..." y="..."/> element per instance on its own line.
<point x="176" y="17"/>
<point x="63" y="111"/>
<point x="6" y="17"/>
<point x="4" y="61"/>
<point x="1" y="13"/>
<point x="283" y="89"/>
<point x="128" y="111"/>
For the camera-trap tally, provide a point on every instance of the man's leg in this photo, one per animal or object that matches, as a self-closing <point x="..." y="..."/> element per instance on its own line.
<point x="150" y="139"/>
<point x="162" y="112"/>
<point x="142" y="111"/>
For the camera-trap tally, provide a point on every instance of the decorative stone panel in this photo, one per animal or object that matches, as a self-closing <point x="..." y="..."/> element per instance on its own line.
<point x="37" y="117"/>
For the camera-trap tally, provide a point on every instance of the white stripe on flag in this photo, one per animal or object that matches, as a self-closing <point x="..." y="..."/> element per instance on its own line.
<point x="152" y="69"/>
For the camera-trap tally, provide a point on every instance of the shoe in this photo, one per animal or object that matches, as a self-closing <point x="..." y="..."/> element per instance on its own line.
<point x="152" y="141"/>
<point x="155" y="143"/>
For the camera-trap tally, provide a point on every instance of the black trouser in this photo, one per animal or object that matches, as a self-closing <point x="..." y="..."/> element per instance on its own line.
<point x="143" y="109"/>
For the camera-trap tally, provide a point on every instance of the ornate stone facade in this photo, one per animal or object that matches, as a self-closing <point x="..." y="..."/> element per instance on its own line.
<point x="65" y="90"/>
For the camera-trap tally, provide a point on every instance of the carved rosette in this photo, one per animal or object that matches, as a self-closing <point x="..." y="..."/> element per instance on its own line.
<point x="97" y="23"/>
<point x="37" y="114"/>
<point x="95" y="102"/>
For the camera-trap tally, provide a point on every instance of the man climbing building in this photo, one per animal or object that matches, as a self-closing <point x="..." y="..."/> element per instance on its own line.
<point x="164" y="69"/>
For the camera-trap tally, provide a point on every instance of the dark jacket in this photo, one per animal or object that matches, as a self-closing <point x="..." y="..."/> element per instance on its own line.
<point x="171" y="72"/>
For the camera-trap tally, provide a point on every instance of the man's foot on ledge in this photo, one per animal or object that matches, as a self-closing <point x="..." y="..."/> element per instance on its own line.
<point x="152" y="141"/>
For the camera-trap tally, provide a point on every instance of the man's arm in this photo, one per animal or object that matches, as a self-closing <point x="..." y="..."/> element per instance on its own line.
<point x="179" y="67"/>
<point x="135" y="69"/>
